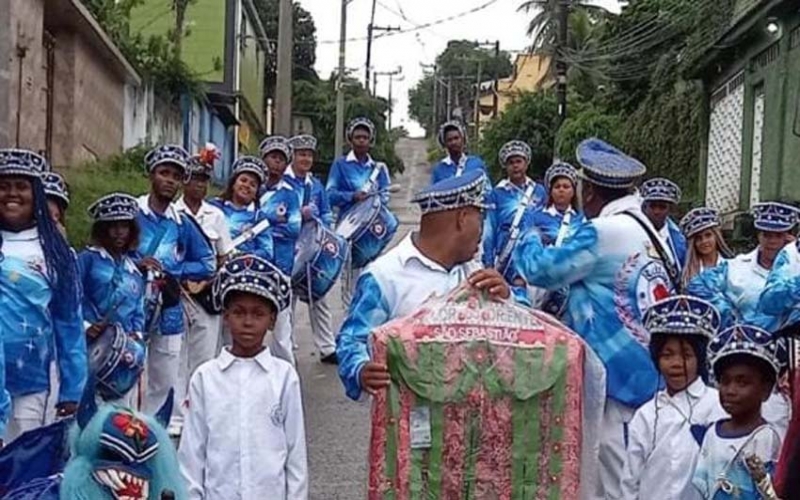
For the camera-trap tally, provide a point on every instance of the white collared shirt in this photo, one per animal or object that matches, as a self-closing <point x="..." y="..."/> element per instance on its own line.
<point x="170" y="213"/>
<point x="407" y="277"/>
<point x="244" y="437"/>
<point x="661" y="450"/>
<point x="351" y="157"/>
<point x="212" y="221"/>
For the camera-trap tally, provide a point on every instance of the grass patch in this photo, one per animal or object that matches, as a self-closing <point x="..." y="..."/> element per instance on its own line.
<point x="124" y="172"/>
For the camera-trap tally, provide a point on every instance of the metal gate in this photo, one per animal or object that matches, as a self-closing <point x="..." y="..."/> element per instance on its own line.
<point x="724" y="172"/>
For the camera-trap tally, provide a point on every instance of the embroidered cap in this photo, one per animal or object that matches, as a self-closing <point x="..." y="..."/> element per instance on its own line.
<point x="749" y="340"/>
<point x="304" y="142"/>
<point x="660" y="189"/>
<point x="22" y="162"/>
<point x="774" y="217"/>
<point x="254" y="275"/>
<point x="560" y="169"/>
<point x="447" y="127"/>
<point x="455" y="192"/>
<point x="682" y="315"/>
<point x="275" y="143"/>
<point x="514" y="148"/>
<point x="604" y="165"/>
<point x="56" y="186"/>
<point x="361" y="122"/>
<point x="167" y="154"/>
<point x="114" y="207"/>
<point x="699" y="219"/>
<point x="249" y="164"/>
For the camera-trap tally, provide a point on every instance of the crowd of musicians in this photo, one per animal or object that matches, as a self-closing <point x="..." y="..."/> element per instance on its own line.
<point x="697" y="399"/>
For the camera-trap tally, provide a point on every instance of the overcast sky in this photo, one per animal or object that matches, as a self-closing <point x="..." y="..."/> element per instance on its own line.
<point x="408" y="50"/>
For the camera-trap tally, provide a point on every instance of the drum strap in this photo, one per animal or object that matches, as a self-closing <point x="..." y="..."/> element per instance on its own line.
<point x="671" y="267"/>
<point x="563" y="230"/>
<point x="462" y="164"/>
<point x="373" y="177"/>
<point x="514" y="229"/>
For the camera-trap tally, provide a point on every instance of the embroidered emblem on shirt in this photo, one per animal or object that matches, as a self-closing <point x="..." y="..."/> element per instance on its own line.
<point x="277" y="416"/>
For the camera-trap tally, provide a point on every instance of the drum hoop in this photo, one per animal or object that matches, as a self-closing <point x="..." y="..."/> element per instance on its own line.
<point x="102" y="374"/>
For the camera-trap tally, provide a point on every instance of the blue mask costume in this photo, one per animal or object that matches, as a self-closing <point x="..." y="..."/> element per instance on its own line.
<point x="114" y="453"/>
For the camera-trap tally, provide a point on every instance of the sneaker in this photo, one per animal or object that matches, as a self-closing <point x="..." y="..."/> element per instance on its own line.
<point x="330" y="359"/>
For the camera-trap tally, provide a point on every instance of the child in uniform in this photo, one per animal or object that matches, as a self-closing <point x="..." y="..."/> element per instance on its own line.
<point x="738" y="450"/>
<point x="244" y="437"/>
<point x="665" y="433"/>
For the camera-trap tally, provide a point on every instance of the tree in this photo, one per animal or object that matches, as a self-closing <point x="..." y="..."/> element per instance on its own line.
<point x="317" y="100"/>
<point x="543" y="27"/>
<point x="458" y="66"/>
<point x="304" y="53"/>
<point x="532" y="118"/>
<point x="179" y="32"/>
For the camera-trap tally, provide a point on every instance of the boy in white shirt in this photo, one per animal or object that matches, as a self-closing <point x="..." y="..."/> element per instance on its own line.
<point x="665" y="433"/>
<point x="739" y="453"/>
<point x="244" y="437"/>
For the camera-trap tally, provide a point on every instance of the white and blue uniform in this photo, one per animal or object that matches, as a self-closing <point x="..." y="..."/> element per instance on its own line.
<point x="37" y="328"/>
<point x="614" y="273"/>
<point x="447" y="168"/>
<point x="113" y="290"/>
<point x="664" y="190"/>
<point x="312" y="194"/>
<point x="676" y="241"/>
<point x="780" y="298"/>
<point x="241" y="219"/>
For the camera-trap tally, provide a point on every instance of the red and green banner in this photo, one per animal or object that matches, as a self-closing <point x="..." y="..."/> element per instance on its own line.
<point x="485" y="404"/>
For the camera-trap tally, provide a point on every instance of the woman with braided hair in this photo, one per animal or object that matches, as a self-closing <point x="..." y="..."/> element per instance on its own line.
<point x="39" y="300"/>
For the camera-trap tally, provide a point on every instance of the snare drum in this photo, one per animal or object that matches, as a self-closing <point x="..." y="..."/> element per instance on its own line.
<point x="369" y="227"/>
<point x="115" y="360"/>
<point x="321" y="255"/>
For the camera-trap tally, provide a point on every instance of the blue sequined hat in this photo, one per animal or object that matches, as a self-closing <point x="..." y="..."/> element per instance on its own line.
<point x="254" y="275"/>
<point x="774" y="217"/>
<point x="22" y="162"/>
<point x="750" y="340"/>
<point x="114" y="207"/>
<point x="682" y="315"/>
<point x="560" y="169"/>
<point x="514" y="148"/>
<point x="468" y="190"/>
<point x="604" y="165"/>
<point x="167" y="154"/>
<point x="361" y="122"/>
<point x="660" y="189"/>
<point x="56" y="186"/>
<point x="448" y="126"/>
<point x="275" y="143"/>
<point x="698" y="220"/>
<point x="249" y="164"/>
<point x="303" y="142"/>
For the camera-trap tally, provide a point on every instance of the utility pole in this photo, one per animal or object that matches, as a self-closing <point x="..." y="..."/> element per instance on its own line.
<point x="495" y="99"/>
<point x="391" y="75"/>
<point x="449" y="97"/>
<point x="435" y="123"/>
<point x="371" y="29"/>
<point x="339" y="139"/>
<point x="562" y="14"/>
<point x="283" y="89"/>
<point x="478" y="99"/>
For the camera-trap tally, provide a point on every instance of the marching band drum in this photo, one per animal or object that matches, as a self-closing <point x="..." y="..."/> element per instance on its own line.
<point x="369" y="227"/>
<point x="321" y="256"/>
<point x="116" y="360"/>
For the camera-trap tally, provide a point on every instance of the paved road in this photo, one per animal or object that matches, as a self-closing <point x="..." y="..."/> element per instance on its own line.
<point x="337" y="428"/>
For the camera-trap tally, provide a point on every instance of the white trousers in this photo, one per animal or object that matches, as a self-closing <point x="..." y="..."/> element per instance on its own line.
<point x="27" y="413"/>
<point x="320" y="318"/>
<point x="163" y="362"/>
<point x="200" y="344"/>
<point x="613" y="447"/>
<point x="349" y="286"/>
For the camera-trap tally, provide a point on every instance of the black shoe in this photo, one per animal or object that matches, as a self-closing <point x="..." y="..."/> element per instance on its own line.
<point x="330" y="359"/>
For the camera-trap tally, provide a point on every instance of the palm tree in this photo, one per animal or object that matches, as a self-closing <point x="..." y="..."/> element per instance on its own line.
<point x="544" y="25"/>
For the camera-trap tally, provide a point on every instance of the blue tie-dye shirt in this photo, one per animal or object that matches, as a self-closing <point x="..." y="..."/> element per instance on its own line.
<point x="35" y="326"/>
<point x="312" y="194"/>
<point x="281" y="205"/>
<point x="447" y="168"/>
<point x="614" y="275"/>
<point x="349" y="176"/>
<point x="179" y="244"/>
<point x="780" y="298"/>
<point x="241" y="219"/>
<point x="113" y="290"/>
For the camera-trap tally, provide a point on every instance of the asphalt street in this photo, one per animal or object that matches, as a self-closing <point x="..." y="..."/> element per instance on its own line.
<point x="337" y="428"/>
